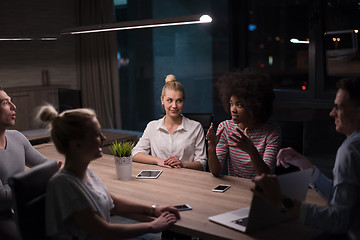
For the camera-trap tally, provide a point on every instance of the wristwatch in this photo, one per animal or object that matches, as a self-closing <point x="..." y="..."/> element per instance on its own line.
<point x="287" y="204"/>
<point x="152" y="210"/>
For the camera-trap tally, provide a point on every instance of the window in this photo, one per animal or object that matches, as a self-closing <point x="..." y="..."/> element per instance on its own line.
<point x="305" y="46"/>
<point x="341" y="21"/>
<point x="278" y="42"/>
<point x="146" y="56"/>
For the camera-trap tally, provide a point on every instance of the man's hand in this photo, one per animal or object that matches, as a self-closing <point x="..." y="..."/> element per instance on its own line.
<point x="288" y="156"/>
<point x="267" y="187"/>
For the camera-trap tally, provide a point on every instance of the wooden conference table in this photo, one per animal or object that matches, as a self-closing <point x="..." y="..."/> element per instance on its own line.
<point x="180" y="186"/>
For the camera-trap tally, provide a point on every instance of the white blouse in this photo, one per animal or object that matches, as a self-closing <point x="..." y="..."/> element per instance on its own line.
<point x="187" y="142"/>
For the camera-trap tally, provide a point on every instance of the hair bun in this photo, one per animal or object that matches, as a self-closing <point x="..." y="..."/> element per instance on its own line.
<point x="47" y="113"/>
<point x="170" y="78"/>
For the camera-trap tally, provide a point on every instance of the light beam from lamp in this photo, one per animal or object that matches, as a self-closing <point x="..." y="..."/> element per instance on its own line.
<point x="139" y="24"/>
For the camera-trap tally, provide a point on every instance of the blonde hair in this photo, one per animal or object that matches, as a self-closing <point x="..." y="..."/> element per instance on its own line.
<point x="69" y="125"/>
<point x="172" y="84"/>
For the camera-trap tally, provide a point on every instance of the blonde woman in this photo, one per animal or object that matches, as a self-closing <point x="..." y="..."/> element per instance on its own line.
<point x="78" y="205"/>
<point x="173" y="141"/>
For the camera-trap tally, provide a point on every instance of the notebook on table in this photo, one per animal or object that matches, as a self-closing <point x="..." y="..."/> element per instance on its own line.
<point x="260" y="214"/>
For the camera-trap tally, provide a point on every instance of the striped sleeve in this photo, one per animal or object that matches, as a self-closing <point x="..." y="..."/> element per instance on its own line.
<point x="221" y="148"/>
<point x="273" y="143"/>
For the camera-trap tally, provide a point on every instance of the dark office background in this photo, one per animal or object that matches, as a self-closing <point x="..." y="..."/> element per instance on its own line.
<point x="305" y="46"/>
<point x="254" y="34"/>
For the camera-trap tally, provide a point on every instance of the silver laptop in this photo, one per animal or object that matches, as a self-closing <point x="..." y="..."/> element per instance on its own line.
<point x="261" y="214"/>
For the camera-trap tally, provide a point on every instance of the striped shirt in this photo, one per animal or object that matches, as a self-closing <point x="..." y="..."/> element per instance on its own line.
<point x="266" y="139"/>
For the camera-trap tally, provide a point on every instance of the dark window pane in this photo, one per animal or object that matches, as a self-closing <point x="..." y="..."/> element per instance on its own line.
<point x="278" y="41"/>
<point x="341" y="39"/>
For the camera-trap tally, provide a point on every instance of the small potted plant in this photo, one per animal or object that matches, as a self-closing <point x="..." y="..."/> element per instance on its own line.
<point x="123" y="160"/>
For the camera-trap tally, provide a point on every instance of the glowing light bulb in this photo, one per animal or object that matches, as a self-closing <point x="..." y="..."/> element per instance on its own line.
<point x="205" y="19"/>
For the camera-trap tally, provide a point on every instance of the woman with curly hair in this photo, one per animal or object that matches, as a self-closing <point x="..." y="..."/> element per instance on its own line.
<point x="247" y="144"/>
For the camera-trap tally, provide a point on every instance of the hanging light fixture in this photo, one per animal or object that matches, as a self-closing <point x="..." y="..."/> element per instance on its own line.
<point x="139" y="24"/>
<point x="12" y="38"/>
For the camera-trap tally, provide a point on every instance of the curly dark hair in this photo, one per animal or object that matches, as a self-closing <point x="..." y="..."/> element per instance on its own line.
<point x="253" y="89"/>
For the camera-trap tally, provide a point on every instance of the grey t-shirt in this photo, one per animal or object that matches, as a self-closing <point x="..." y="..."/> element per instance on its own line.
<point x="13" y="158"/>
<point x="67" y="194"/>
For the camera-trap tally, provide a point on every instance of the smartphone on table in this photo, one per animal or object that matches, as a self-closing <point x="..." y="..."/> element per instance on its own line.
<point x="183" y="207"/>
<point x="221" y="188"/>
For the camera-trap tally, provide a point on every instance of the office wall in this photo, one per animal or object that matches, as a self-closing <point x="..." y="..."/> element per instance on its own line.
<point x="22" y="63"/>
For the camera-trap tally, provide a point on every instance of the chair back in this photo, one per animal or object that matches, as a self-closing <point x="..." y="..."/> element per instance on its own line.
<point x="28" y="189"/>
